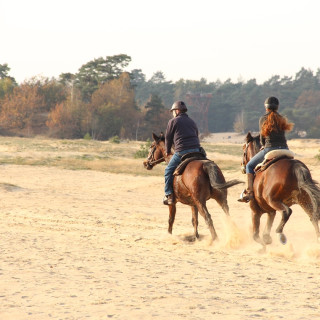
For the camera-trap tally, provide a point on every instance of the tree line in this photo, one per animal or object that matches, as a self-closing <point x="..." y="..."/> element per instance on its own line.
<point x="103" y="99"/>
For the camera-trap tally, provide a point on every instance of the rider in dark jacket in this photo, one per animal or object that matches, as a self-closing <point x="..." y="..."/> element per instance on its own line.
<point x="182" y="133"/>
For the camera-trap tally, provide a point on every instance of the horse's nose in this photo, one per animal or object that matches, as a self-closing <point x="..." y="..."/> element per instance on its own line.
<point x="147" y="165"/>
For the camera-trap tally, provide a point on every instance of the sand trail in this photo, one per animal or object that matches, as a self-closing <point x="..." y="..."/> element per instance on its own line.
<point x="92" y="245"/>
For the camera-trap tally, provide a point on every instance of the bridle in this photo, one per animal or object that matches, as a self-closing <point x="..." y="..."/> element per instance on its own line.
<point x="244" y="158"/>
<point x="150" y="160"/>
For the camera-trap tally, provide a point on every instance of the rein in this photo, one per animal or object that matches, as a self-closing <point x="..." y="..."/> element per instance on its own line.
<point x="245" y="159"/>
<point x="154" y="162"/>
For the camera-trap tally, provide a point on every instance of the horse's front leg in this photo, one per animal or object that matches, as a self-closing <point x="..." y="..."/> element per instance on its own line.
<point x="172" y="215"/>
<point x="256" y="216"/>
<point x="195" y="220"/>
<point x="266" y="233"/>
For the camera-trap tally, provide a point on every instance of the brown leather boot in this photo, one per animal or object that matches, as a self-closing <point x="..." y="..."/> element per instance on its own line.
<point x="168" y="200"/>
<point x="247" y="194"/>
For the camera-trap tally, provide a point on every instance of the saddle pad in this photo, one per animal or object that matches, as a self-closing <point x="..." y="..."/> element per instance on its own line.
<point x="279" y="153"/>
<point x="268" y="162"/>
<point x="179" y="170"/>
<point x="199" y="155"/>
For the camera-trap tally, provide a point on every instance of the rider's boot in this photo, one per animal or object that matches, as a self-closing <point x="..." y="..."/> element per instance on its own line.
<point x="247" y="194"/>
<point x="168" y="199"/>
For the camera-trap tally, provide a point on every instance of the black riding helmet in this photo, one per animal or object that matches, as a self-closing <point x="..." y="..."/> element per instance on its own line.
<point x="179" y="105"/>
<point x="272" y="103"/>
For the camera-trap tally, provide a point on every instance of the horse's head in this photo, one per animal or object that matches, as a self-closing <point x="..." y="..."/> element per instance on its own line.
<point x="250" y="148"/>
<point x="156" y="152"/>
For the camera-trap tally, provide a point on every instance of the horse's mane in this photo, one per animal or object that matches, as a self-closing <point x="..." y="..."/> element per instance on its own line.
<point x="161" y="137"/>
<point x="256" y="143"/>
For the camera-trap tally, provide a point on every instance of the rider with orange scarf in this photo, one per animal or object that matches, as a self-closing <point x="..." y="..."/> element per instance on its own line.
<point x="272" y="136"/>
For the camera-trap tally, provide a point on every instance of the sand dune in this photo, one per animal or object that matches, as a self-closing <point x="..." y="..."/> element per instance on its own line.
<point x="92" y="245"/>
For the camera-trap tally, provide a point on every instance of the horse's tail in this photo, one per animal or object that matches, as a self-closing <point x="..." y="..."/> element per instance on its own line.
<point x="216" y="177"/>
<point x="310" y="186"/>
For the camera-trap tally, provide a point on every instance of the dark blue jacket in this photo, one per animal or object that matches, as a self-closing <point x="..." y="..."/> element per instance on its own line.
<point x="182" y="132"/>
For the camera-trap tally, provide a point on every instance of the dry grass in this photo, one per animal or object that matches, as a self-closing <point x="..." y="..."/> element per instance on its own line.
<point x="75" y="155"/>
<point x="120" y="158"/>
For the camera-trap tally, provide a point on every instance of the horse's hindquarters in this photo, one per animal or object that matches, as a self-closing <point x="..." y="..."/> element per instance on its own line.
<point x="193" y="185"/>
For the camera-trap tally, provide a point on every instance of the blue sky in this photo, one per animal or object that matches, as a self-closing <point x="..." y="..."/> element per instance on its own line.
<point x="184" y="39"/>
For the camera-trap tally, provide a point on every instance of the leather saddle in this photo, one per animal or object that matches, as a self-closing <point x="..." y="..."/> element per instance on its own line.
<point x="272" y="157"/>
<point x="187" y="158"/>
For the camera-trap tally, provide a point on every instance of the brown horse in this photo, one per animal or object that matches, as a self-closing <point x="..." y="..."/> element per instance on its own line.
<point x="284" y="183"/>
<point x="200" y="181"/>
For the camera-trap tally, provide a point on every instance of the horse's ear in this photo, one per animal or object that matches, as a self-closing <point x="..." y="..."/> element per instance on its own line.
<point x="155" y="137"/>
<point x="249" y="137"/>
<point x="162" y="136"/>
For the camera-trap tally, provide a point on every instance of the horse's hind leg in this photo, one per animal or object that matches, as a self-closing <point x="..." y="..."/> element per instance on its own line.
<point x="308" y="208"/>
<point x="221" y="198"/>
<point x="284" y="219"/>
<point x="195" y="221"/>
<point x="315" y="224"/>
<point x="172" y="214"/>
<point x="207" y="217"/>
<point x="286" y="213"/>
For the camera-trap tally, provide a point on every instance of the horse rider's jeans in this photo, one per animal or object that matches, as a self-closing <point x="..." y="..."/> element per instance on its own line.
<point x="172" y="165"/>
<point x="259" y="157"/>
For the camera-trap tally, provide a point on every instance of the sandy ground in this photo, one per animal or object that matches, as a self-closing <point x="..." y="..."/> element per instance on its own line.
<point x="92" y="245"/>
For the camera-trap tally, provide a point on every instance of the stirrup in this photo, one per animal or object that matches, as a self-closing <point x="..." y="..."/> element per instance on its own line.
<point x="246" y="196"/>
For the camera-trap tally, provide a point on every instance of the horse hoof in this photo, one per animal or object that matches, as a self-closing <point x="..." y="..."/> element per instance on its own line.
<point x="282" y="238"/>
<point x="262" y="250"/>
<point x="267" y="239"/>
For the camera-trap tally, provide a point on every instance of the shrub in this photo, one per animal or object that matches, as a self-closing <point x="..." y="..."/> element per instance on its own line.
<point x="144" y="150"/>
<point x="114" y="139"/>
<point x="87" y="136"/>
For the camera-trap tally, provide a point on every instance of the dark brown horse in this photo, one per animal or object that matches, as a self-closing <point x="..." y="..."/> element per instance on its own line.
<point x="284" y="183"/>
<point x="200" y="181"/>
